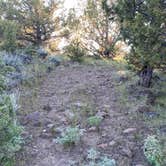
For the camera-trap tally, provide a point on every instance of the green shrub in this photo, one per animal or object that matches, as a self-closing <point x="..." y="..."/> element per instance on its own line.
<point x="105" y="161"/>
<point x="10" y="131"/>
<point x="70" y="136"/>
<point x="96" y="160"/>
<point x="93" y="154"/>
<point x="153" y="151"/>
<point x="2" y="85"/>
<point x="144" y="36"/>
<point x="75" y="51"/>
<point x="10" y="138"/>
<point x="94" y="121"/>
<point x="9" y="35"/>
<point x="30" y="49"/>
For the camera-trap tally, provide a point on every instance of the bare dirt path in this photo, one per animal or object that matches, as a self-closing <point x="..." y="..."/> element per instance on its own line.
<point x="69" y="87"/>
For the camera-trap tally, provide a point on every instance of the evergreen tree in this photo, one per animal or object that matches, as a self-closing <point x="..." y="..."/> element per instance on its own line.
<point x="143" y="27"/>
<point x="9" y="33"/>
<point x="35" y="18"/>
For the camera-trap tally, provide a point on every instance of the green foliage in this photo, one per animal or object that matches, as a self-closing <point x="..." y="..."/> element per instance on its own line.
<point x="3" y="70"/>
<point x="100" y="36"/>
<point x="143" y="28"/>
<point x="75" y="51"/>
<point x="2" y="85"/>
<point x="10" y="138"/>
<point x="34" y="17"/>
<point x="153" y="151"/>
<point x="70" y="136"/>
<point x="93" y="156"/>
<point x="105" y="161"/>
<point x="9" y="35"/>
<point x="94" y="121"/>
<point x="30" y="50"/>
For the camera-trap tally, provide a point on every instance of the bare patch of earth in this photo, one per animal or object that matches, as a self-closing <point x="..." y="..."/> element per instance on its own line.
<point x="71" y="91"/>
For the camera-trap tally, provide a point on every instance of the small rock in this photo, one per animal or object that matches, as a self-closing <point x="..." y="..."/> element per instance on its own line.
<point x="106" y="107"/>
<point x="46" y="122"/>
<point x="33" y="118"/>
<point x="54" y="60"/>
<point x="64" y="120"/>
<point x="103" y="146"/>
<point x="122" y="79"/>
<point x="69" y="114"/>
<point x="45" y="135"/>
<point x="104" y="134"/>
<point x="50" y="126"/>
<point x="152" y="114"/>
<point x="59" y="130"/>
<point x="129" y="130"/>
<point x="143" y="109"/>
<point x="42" y="53"/>
<point x="131" y="145"/>
<point x="34" y="153"/>
<point x="79" y="104"/>
<point x="102" y="114"/>
<point x="126" y="152"/>
<point x="112" y="143"/>
<point x="92" y="129"/>
<point x="24" y="133"/>
<point x="44" y="131"/>
<point x="47" y="108"/>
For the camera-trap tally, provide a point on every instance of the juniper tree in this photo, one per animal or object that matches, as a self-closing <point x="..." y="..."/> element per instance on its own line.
<point x="35" y="18"/>
<point x="143" y="27"/>
<point x="9" y="32"/>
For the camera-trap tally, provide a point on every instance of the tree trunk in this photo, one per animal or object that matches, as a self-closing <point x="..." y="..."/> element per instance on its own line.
<point x="146" y="76"/>
<point x="38" y="35"/>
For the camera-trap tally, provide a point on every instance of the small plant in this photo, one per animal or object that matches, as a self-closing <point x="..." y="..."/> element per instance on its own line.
<point x="105" y="161"/>
<point x="93" y="154"/>
<point x="153" y="151"/>
<point x="94" y="121"/>
<point x="10" y="139"/>
<point x="95" y="160"/>
<point x="10" y="131"/>
<point x="70" y="136"/>
<point x="12" y="60"/>
<point x="75" y="51"/>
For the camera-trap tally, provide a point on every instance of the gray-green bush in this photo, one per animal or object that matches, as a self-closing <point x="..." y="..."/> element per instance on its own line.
<point x="153" y="151"/>
<point x="10" y="137"/>
<point x="70" y="136"/>
<point x="75" y="51"/>
<point x="94" y="121"/>
<point x="95" y="159"/>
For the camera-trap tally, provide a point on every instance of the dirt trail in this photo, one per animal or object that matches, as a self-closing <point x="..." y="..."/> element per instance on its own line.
<point x="69" y="87"/>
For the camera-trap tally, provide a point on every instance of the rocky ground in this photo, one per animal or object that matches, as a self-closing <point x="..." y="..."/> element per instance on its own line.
<point x="49" y="108"/>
